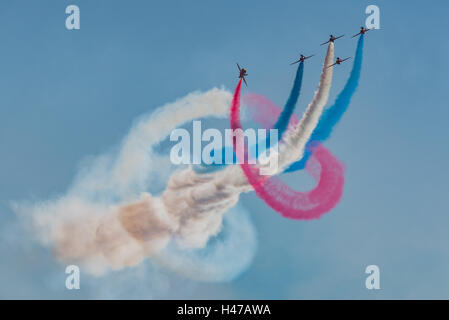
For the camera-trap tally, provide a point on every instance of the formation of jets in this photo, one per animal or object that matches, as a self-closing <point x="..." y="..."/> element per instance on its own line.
<point x="302" y="58"/>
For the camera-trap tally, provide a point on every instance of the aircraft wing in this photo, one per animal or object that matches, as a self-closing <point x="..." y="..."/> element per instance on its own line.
<point x="295" y="62"/>
<point x="346" y="59"/>
<point x="310" y="56"/>
<point x="339" y="37"/>
<point x="239" y="67"/>
<point x="356" y="35"/>
<point x="331" y="65"/>
<point x="244" y="81"/>
<point x="325" y="43"/>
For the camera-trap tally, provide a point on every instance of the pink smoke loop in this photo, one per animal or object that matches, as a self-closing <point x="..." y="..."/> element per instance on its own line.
<point x="326" y="170"/>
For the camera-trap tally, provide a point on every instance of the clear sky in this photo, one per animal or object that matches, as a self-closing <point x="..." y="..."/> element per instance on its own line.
<point x="65" y="95"/>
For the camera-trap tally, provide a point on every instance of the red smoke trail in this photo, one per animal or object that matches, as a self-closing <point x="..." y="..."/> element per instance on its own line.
<point x="327" y="171"/>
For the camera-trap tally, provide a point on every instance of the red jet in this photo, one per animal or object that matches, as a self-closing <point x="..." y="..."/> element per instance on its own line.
<point x="363" y="30"/>
<point x="302" y="59"/>
<point x="331" y="39"/>
<point x="339" y="61"/>
<point x="243" y="74"/>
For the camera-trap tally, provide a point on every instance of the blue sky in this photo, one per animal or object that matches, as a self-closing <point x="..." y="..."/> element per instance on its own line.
<point x="69" y="94"/>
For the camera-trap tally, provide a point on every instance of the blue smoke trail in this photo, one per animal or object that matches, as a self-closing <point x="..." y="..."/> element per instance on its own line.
<point x="284" y="118"/>
<point x="281" y="124"/>
<point x="333" y="114"/>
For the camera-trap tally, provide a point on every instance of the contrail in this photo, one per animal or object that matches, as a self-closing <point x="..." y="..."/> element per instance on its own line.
<point x="292" y="204"/>
<point x="332" y="115"/>
<point x="281" y="123"/>
<point x="108" y="220"/>
<point x="225" y="256"/>
<point x="324" y="168"/>
<point x="217" y="192"/>
<point x="284" y="118"/>
<point x="296" y="139"/>
<point x="101" y="224"/>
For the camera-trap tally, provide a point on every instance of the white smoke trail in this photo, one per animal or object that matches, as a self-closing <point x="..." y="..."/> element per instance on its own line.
<point x="213" y="263"/>
<point x="101" y="224"/>
<point x="296" y="139"/>
<point x="215" y="193"/>
<point x="131" y="169"/>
